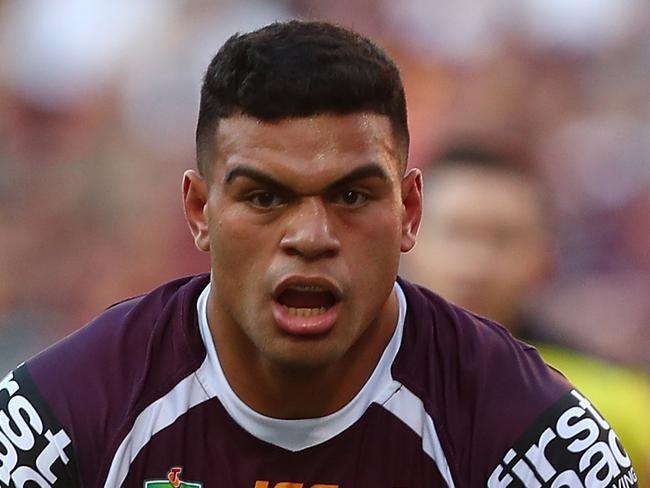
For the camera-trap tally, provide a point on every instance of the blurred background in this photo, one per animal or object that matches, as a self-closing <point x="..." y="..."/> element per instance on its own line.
<point x="98" y="100"/>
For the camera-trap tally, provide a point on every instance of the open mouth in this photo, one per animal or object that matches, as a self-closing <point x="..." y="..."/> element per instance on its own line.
<point x="306" y="307"/>
<point x="303" y="300"/>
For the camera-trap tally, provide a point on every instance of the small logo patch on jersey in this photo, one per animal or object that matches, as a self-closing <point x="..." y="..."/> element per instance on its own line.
<point x="173" y="481"/>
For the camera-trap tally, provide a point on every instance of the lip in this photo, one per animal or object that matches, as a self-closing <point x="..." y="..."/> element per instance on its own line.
<point x="305" y="326"/>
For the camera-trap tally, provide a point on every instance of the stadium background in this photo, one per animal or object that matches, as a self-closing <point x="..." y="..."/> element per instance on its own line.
<point x="98" y="100"/>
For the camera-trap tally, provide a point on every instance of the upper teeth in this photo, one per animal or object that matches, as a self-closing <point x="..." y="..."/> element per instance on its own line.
<point x="308" y="287"/>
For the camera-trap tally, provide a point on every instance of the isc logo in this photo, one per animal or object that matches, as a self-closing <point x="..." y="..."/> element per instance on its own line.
<point x="289" y="484"/>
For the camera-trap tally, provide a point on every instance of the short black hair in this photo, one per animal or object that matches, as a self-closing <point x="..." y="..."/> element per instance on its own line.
<point x="298" y="69"/>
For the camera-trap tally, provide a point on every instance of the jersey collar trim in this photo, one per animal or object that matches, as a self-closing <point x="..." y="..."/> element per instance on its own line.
<point x="296" y="435"/>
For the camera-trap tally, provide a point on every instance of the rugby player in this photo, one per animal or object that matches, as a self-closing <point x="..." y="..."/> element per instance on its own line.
<point x="300" y="360"/>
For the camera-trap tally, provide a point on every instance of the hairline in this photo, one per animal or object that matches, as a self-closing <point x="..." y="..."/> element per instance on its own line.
<point x="207" y="146"/>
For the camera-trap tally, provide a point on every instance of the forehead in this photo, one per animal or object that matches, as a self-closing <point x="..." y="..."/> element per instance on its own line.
<point x="320" y="144"/>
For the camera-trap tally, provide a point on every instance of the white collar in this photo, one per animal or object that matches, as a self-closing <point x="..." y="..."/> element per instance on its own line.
<point x="295" y="435"/>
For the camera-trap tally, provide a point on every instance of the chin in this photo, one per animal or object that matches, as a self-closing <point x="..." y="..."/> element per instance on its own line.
<point x="305" y="359"/>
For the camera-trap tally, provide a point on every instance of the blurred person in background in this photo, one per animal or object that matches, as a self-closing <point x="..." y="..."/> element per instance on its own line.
<point x="486" y="244"/>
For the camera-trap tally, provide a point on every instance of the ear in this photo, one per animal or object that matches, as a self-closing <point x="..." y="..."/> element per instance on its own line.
<point x="411" y="207"/>
<point x="195" y="200"/>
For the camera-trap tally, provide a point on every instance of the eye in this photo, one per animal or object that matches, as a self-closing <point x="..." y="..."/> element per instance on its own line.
<point x="265" y="199"/>
<point x="352" y="198"/>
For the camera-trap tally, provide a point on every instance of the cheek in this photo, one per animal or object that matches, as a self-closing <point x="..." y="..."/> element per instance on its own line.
<point x="232" y="227"/>
<point x="374" y="244"/>
<point x="238" y="264"/>
<point x="236" y="244"/>
<point x="380" y="228"/>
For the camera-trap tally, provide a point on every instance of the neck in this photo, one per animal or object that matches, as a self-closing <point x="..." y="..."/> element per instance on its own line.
<point x="290" y="391"/>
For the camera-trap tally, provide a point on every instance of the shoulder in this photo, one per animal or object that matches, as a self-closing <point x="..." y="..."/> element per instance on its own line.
<point x="97" y="380"/>
<point x="502" y="413"/>
<point x="33" y="444"/>
<point x="121" y="342"/>
<point x="464" y="348"/>
<point x="621" y="394"/>
<point x="481" y="386"/>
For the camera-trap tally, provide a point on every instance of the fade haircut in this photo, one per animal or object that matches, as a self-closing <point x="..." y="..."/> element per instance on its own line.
<point x="299" y="69"/>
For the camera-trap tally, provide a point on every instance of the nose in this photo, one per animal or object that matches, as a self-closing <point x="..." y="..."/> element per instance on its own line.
<point x="309" y="233"/>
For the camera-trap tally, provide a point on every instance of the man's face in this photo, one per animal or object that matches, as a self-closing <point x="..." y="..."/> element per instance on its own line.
<point x="482" y="244"/>
<point x="305" y="219"/>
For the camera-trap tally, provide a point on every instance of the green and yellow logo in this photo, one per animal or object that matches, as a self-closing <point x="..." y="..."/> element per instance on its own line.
<point x="173" y="481"/>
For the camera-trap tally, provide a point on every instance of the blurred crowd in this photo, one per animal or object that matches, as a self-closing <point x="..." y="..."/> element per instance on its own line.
<point x="98" y="100"/>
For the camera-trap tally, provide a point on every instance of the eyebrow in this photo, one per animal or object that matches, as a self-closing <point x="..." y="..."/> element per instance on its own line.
<point x="371" y="170"/>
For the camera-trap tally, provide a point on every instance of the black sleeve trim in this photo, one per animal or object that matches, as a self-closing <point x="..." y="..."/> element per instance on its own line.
<point x="35" y="450"/>
<point x="570" y="444"/>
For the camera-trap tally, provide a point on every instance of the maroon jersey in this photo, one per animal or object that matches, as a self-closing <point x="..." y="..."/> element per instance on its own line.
<point x="138" y="399"/>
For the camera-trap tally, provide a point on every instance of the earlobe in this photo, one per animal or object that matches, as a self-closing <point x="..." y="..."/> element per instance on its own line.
<point x="195" y="199"/>
<point x="411" y="208"/>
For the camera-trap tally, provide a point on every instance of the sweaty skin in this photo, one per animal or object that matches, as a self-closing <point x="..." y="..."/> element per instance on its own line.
<point x="317" y="204"/>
